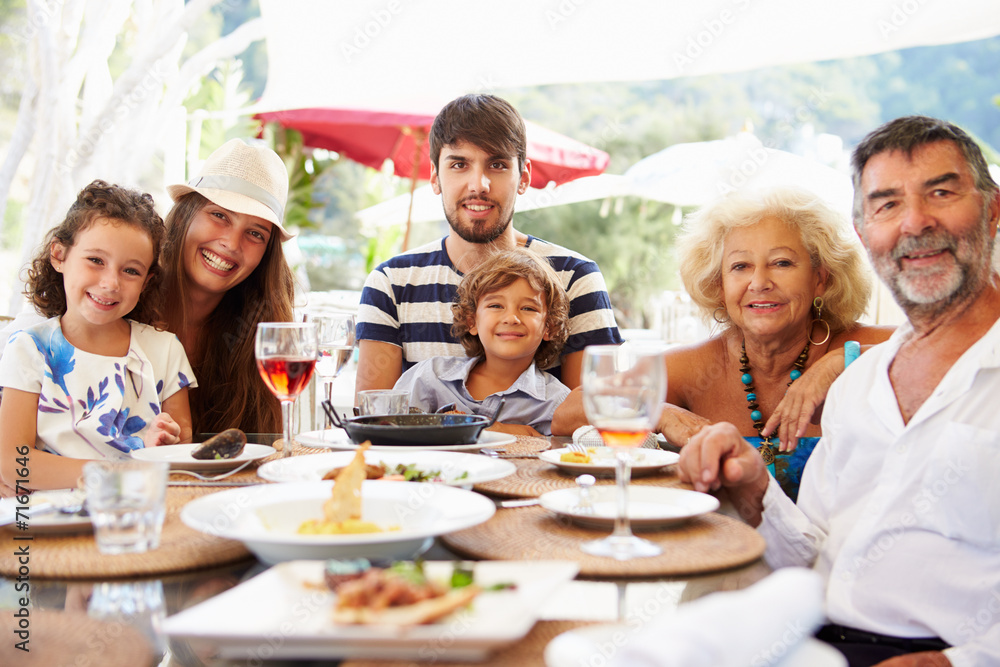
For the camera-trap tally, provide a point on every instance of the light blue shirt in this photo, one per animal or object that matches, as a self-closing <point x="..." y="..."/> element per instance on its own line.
<point x="441" y="380"/>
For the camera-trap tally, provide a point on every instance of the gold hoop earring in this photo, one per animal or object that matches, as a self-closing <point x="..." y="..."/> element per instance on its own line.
<point x="818" y="305"/>
<point x="720" y="319"/>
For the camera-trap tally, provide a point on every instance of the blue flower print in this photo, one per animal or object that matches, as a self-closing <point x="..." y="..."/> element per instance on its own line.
<point x="58" y="354"/>
<point x="121" y="429"/>
<point x="183" y="380"/>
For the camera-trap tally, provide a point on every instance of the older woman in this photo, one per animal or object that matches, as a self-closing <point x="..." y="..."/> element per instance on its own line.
<point x="224" y="271"/>
<point x="777" y="272"/>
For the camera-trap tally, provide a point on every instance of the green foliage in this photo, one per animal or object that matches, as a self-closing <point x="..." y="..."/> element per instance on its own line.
<point x="303" y="171"/>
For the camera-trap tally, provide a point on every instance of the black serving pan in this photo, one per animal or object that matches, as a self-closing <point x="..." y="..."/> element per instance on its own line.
<point x="412" y="429"/>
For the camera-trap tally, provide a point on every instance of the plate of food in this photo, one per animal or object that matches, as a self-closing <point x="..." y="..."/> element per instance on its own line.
<point x="224" y="451"/>
<point x="600" y="461"/>
<point x="345" y="518"/>
<point x="648" y="506"/>
<point x="58" y="511"/>
<point x="337" y="438"/>
<point x="294" y="602"/>
<point x="451" y="468"/>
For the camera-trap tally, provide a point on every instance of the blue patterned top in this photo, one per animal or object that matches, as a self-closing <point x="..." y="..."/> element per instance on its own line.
<point x="92" y="406"/>
<point x="787" y="467"/>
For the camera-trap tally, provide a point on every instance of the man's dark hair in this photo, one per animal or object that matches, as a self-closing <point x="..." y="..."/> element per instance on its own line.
<point x="485" y="121"/>
<point x="909" y="133"/>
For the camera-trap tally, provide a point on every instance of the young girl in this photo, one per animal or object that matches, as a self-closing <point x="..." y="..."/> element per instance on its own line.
<point x="89" y="383"/>
<point x="511" y="315"/>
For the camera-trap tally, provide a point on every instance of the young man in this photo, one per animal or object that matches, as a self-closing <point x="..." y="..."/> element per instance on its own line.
<point x="479" y="166"/>
<point x="896" y="509"/>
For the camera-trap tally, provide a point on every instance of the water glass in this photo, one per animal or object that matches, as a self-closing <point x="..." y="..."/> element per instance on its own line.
<point x="126" y="501"/>
<point x="383" y="402"/>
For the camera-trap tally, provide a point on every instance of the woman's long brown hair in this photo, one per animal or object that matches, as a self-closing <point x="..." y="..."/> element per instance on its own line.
<point x="230" y="393"/>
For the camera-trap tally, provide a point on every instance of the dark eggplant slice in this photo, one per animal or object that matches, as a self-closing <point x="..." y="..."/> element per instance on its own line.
<point x="226" y="445"/>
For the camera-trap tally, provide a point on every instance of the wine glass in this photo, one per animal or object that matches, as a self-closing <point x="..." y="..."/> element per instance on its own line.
<point x="336" y="346"/>
<point x="286" y="357"/>
<point x="624" y="387"/>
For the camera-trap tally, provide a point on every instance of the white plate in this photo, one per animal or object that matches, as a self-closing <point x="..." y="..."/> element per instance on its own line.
<point x="583" y="645"/>
<point x="644" y="461"/>
<point x="266" y="517"/>
<point x="336" y="438"/>
<point x="179" y="457"/>
<point x="42" y="515"/>
<point x="648" y="506"/>
<point x="457" y="469"/>
<point x="282" y="614"/>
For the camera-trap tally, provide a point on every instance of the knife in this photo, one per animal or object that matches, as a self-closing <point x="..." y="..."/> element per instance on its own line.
<point x="525" y="502"/>
<point x="214" y="483"/>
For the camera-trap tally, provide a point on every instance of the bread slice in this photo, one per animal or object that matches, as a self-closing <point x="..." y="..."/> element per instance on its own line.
<point x="425" y="611"/>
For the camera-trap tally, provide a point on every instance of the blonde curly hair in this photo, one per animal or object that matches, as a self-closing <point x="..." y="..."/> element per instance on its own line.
<point x="823" y="232"/>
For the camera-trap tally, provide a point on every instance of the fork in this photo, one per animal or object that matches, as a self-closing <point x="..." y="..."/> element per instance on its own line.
<point x="577" y="448"/>
<point x="212" y="478"/>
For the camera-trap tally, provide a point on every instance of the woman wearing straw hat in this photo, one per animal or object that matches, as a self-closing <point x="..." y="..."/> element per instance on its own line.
<point x="224" y="271"/>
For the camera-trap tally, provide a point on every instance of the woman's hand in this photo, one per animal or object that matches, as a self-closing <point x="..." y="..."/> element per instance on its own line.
<point x="803" y="402"/>
<point x="163" y="430"/>
<point x="718" y="458"/>
<point x="678" y="425"/>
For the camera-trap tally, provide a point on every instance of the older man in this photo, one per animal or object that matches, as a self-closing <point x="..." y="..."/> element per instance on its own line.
<point x="898" y="508"/>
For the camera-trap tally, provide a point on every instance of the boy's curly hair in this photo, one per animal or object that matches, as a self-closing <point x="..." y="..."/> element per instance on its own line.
<point x="499" y="270"/>
<point x="99" y="200"/>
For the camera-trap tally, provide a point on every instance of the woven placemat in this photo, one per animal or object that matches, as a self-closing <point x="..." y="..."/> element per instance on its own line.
<point x="73" y="638"/>
<point x="54" y="556"/>
<point x="704" y="544"/>
<point x="535" y="477"/>
<point x="524" y="445"/>
<point x="526" y="652"/>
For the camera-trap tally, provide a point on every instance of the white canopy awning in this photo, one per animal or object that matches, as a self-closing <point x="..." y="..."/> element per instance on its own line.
<point x="388" y="54"/>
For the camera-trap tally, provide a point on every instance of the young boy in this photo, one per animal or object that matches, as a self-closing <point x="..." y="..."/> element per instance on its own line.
<point x="511" y="315"/>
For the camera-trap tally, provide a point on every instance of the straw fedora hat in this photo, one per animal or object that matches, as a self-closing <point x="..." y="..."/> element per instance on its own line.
<point x="245" y="179"/>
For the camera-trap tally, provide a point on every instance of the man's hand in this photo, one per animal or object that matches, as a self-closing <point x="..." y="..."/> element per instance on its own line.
<point x="163" y="430"/>
<point x="514" y="429"/>
<point x="922" y="659"/>
<point x="718" y="458"/>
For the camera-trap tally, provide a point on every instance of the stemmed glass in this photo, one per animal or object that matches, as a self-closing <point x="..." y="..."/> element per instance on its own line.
<point x="336" y="346"/>
<point x="286" y="357"/>
<point x="624" y="387"/>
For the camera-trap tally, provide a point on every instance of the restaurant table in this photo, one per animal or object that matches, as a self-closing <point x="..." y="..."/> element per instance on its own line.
<point x="112" y="620"/>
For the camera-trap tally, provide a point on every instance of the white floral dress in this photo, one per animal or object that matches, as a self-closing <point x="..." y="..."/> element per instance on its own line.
<point x="92" y="406"/>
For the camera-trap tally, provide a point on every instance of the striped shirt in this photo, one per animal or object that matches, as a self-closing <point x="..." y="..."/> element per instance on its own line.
<point x="406" y="301"/>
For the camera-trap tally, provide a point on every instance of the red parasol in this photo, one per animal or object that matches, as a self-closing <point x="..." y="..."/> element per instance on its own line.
<point x="372" y="137"/>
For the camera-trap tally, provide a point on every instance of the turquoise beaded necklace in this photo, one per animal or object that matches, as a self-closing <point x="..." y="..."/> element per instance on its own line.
<point x="766" y="447"/>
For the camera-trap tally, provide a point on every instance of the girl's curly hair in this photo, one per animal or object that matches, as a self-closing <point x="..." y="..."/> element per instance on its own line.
<point x="499" y="270"/>
<point x="112" y="202"/>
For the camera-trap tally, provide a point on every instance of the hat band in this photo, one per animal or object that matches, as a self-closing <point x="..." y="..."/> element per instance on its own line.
<point x="241" y="187"/>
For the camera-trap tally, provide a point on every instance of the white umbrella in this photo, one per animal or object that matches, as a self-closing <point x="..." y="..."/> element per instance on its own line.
<point x="695" y="173"/>
<point x="427" y="206"/>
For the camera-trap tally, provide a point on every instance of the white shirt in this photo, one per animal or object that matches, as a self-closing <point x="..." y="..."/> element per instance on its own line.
<point x="92" y="406"/>
<point x="903" y="520"/>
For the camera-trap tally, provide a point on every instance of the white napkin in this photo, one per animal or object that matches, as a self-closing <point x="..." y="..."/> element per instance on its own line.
<point x="757" y="626"/>
<point x="588" y="436"/>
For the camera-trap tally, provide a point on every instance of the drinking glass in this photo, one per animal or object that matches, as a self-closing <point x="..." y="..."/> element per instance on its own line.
<point x="286" y="357"/>
<point x="336" y="346"/>
<point x="126" y="501"/>
<point x="624" y="387"/>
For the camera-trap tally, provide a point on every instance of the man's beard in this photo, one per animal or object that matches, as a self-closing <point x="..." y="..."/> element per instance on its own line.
<point x="934" y="290"/>
<point x="483" y="232"/>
